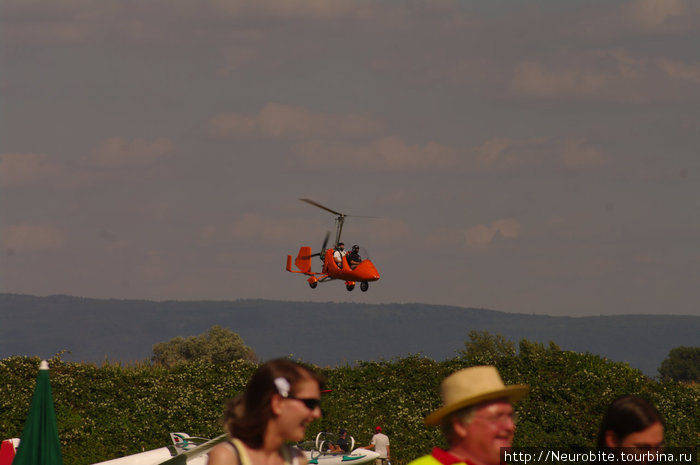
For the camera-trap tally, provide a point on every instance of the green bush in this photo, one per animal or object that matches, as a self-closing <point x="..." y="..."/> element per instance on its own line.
<point x="682" y="364"/>
<point x="113" y="410"/>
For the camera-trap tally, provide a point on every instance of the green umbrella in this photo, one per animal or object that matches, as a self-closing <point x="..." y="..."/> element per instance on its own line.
<point x="40" y="444"/>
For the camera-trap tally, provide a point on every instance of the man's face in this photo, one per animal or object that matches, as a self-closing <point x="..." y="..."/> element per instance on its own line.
<point x="492" y="427"/>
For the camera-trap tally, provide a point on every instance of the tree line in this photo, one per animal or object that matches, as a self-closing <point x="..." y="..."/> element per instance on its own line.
<point x="221" y="345"/>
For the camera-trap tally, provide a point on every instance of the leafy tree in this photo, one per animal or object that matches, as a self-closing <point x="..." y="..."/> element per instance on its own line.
<point x="484" y="348"/>
<point x="218" y="345"/>
<point x="682" y="364"/>
<point x="532" y="348"/>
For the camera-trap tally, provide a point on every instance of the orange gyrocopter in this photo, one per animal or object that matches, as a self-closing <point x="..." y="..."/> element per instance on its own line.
<point x="364" y="272"/>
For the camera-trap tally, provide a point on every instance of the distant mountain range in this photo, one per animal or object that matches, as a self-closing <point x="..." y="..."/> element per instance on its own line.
<point x="321" y="333"/>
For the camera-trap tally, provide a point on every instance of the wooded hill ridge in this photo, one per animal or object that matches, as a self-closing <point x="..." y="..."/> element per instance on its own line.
<point x="326" y="334"/>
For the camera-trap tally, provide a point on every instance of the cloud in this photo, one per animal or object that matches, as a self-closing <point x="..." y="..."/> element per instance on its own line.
<point x="115" y="152"/>
<point x="631" y="19"/>
<point x="500" y="154"/>
<point x="503" y="153"/>
<point x="533" y="79"/>
<point x="477" y="237"/>
<point x="445" y="237"/>
<point x="298" y="231"/>
<point x="623" y="21"/>
<point x="18" y="169"/>
<point x="507" y="154"/>
<point x="168" y="21"/>
<point x="385" y="154"/>
<point x="387" y="230"/>
<point x="70" y="21"/>
<point x="614" y="75"/>
<point x="575" y="155"/>
<point x="306" y="9"/>
<point x="112" y="241"/>
<point x="31" y="237"/>
<point x="24" y="169"/>
<point x="276" y="120"/>
<point x="658" y="16"/>
<point x="481" y="236"/>
<point x="680" y="70"/>
<point x="321" y="130"/>
<point x="256" y="227"/>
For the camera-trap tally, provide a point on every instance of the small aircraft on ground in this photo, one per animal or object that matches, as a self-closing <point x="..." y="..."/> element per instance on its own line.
<point x="363" y="273"/>
<point x="185" y="450"/>
<point x="318" y="452"/>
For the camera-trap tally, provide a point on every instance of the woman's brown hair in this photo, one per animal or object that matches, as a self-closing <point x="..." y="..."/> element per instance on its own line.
<point x="246" y="416"/>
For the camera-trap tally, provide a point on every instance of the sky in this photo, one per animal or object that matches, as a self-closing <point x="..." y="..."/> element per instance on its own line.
<point x="529" y="157"/>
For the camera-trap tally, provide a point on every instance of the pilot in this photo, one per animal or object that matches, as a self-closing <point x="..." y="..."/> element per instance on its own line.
<point x="354" y="258"/>
<point x="341" y="445"/>
<point x="338" y="254"/>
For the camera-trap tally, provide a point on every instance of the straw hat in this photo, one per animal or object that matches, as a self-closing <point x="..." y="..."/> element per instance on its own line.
<point x="472" y="386"/>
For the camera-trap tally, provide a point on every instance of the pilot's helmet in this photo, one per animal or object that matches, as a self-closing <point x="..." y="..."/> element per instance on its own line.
<point x="355" y="248"/>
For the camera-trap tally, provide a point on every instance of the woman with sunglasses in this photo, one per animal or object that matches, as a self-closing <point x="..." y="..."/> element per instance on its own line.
<point x="281" y="399"/>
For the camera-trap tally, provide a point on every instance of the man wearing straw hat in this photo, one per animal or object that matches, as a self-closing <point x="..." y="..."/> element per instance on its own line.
<point x="477" y="418"/>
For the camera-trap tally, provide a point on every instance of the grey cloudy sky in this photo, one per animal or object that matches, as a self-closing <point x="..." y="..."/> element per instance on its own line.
<point x="534" y="157"/>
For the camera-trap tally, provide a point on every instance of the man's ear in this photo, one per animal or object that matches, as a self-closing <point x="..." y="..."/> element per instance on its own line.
<point x="611" y="439"/>
<point x="276" y="404"/>
<point x="460" y="429"/>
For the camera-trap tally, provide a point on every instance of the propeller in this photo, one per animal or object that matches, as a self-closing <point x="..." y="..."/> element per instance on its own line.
<point x="325" y="241"/>
<point x="323" y="247"/>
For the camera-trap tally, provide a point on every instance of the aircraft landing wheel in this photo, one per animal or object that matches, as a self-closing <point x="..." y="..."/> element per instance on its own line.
<point x="313" y="285"/>
<point x="364" y="285"/>
<point x="350" y="287"/>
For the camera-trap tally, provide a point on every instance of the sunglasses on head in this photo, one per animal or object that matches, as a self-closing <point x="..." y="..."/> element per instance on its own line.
<point x="311" y="402"/>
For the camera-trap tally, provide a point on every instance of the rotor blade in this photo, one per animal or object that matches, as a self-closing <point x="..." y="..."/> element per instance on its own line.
<point x="317" y="254"/>
<point x="316" y="204"/>
<point x="325" y="241"/>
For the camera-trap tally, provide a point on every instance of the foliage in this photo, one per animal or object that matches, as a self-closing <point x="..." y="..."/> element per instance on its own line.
<point x="682" y="364"/>
<point x="484" y="348"/>
<point x="218" y="345"/>
<point x="113" y="410"/>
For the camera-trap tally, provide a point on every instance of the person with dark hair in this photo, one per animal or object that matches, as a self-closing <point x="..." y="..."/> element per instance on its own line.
<point x="281" y="399"/>
<point x="631" y="422"/>
<point x="354" y="257"/>
<point x="341" y="445"/>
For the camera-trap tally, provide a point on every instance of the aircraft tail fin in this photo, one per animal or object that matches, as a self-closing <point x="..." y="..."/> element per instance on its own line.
<point x="179" y="438"/>
<point x="303" y="260"/>
<point x="184" y="442"/>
